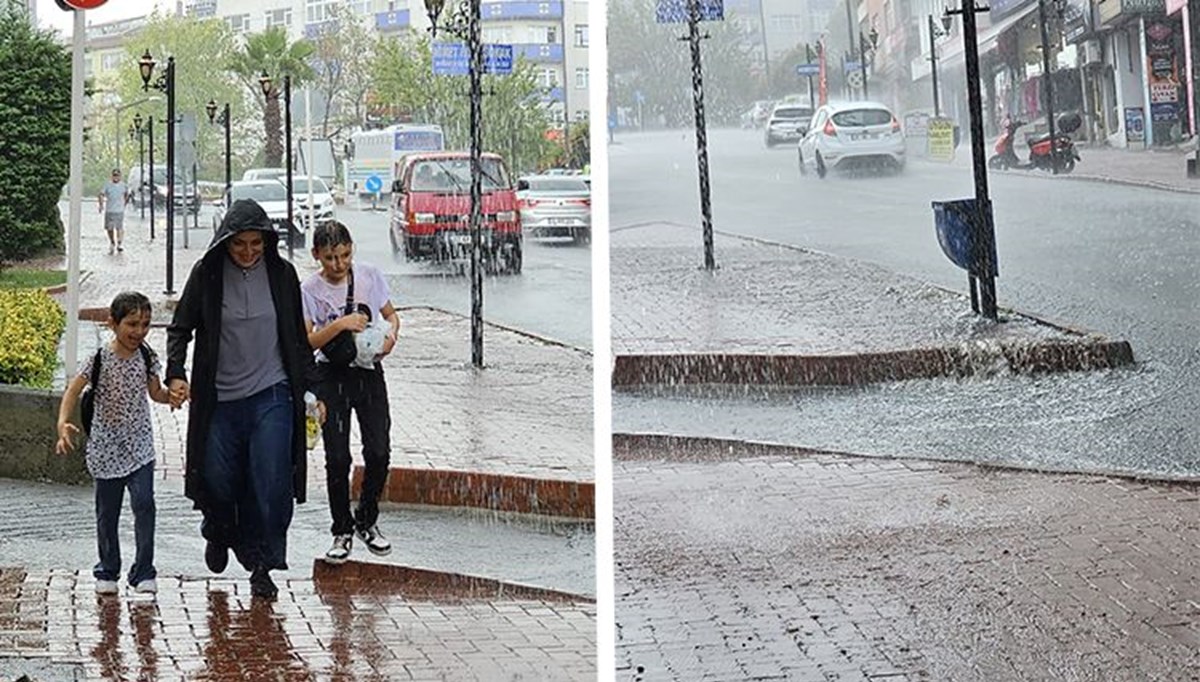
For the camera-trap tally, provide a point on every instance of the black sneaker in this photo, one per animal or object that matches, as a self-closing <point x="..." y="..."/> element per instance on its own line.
<point x="375" y="541"/>
<point x="262" y="586"/>
<point x="216" y="557"/>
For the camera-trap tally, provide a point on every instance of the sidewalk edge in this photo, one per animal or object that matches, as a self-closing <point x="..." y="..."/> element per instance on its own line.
<point x="402" y="578"/>
<point x="489" y="491"/>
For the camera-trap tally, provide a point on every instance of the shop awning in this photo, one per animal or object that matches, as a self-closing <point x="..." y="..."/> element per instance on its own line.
<point x="953" y="55"/>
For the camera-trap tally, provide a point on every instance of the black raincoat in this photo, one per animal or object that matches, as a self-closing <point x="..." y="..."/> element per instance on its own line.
<point x="199" y="312"/>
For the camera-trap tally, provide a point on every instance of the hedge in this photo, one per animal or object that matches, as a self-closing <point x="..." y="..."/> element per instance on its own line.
<point x="31" y="324"/>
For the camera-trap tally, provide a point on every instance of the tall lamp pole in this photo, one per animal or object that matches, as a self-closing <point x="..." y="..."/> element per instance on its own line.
<point x="985" y="236"/>
<point x="150" y="176"/>
<point x="223" y="119"/>
<point x="465" y="24"/>
<point x="264" y="81"/>
<point x="1047" y="78"/>
<point x="693" y="38"/>
<point x="165" y="83"/>
<point x="934" y="34"/>
<point x="141" y="132"/>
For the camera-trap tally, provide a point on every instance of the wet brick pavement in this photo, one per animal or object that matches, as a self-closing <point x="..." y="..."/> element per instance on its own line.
<point x="529" y="414"/>
<point x="734" y="564"/>
<point x="318" y="630"/>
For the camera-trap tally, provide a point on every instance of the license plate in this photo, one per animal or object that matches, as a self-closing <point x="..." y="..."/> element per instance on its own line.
<point x="862" y="136"/>
<point x="561" y="221"/>
<point x="460" y="239"/>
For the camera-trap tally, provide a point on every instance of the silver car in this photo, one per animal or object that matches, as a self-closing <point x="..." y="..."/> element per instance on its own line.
<point x="788" y="122"/>
<point x="555" y="206"/>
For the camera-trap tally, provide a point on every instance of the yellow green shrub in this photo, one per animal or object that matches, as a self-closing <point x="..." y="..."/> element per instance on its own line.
<point x="31" y="323"/>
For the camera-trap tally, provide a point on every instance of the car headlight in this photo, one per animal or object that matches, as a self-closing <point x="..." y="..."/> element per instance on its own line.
<point x="506" y="216"/>
<point x="423" y="217"/>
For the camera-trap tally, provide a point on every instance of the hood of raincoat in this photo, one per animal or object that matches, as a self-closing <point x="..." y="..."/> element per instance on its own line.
<point x="247" y="214"/>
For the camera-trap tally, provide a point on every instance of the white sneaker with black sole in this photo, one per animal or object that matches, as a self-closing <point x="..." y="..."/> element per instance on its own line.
<point x="107" y="587"/>
<point x="340" y="550"/>
<point x="375" y="541"/>
<point x="146" y="587"/>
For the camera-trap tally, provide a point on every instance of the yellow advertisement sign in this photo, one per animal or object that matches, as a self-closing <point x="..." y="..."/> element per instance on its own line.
<point x="941" y="139"/>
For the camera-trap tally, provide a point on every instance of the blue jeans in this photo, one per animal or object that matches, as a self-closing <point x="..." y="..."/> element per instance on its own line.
<point x="110" y="496"/>
<point x="248" y="476"/>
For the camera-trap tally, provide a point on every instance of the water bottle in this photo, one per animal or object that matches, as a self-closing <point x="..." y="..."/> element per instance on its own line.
<point x="312" y="422"/>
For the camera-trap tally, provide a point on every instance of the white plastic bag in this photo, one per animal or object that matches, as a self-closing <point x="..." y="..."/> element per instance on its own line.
<point x="370" y="343"/>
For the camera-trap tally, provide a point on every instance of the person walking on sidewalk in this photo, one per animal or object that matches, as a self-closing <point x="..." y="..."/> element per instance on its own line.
<point x="245" y="461"/>
<point x="112" y="204"/>
<point x="328" y="294"/>
<point x="120" y="450"/>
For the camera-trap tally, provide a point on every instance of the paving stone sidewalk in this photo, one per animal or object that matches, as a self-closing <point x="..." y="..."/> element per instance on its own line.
<point x="422" y="627"/>
<point x="753" y="564"/>
<point x="777" y="300"/>
<point x="529" y="414"/>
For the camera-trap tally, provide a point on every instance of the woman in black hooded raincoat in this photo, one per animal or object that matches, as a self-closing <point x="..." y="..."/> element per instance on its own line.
<point x="245" y="461"/>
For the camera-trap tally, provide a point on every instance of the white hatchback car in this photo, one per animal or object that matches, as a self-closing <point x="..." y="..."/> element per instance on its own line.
<point x="852" y="135"/>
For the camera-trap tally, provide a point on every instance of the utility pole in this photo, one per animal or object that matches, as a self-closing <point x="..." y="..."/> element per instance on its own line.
<point x="701" y="136"/>
<point x="933" y="61"/>
<point x="1047" y="78"/>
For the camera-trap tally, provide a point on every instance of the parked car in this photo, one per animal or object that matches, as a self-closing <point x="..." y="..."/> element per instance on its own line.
<point x="756" y="116"/>
<point x="143" y="190"/>
<point x="323" y="201"/>
<point x="555" y="206"/>
<point x="272" y="196"/>
<point x="850" y="135"/>
<point x="787" y="123"/>
<point x="431" y="211"/>
<point x="267" y="174"/>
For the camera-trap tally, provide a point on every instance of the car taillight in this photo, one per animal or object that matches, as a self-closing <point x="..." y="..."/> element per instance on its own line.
<point x="580" y="202"/>
<point x="527" y="203"/>
<point x="829" y="129"/>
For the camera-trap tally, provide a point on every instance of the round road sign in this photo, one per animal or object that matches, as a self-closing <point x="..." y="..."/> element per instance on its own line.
<point x="79" y="4"/>
<point x="374" y="183"/>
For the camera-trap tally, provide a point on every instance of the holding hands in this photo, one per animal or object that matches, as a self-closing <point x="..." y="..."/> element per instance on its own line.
<point x="179" y="391"/>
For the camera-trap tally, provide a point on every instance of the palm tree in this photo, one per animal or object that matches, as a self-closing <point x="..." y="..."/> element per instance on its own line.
<point x="271" y="53"/>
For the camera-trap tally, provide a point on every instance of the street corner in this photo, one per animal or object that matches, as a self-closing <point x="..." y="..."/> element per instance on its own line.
<point x="395" y="624"/>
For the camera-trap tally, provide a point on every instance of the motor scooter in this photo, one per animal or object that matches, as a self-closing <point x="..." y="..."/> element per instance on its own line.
<point x="1058" y="157"/>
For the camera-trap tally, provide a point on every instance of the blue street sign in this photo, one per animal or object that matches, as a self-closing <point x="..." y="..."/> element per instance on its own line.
<point x="853" y="66"/>
<point x="454" y="59"/>
<point x="374" y="184"/>
<point x="676" y="11"/>
<point x="808" y="69"/>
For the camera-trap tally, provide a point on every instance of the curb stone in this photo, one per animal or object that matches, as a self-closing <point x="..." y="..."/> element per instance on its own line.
<point x="637" y="447"/>
<point x="364" y="576"/>
<point x="493" y="492"/>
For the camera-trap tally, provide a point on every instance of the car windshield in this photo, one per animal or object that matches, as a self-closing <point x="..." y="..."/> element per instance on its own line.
<point x="558" y="184"/>
<point x="793" y="112"/>
<point x="863" y="117"/>
<point x="262" y="191"/>
<point x="300" y="186"/>
<point x="453" y="175"/>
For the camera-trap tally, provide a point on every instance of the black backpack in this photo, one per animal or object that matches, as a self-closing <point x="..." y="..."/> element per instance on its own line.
<point x="87" y="399"/>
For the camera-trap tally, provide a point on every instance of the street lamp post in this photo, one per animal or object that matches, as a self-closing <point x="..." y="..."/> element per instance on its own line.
<point x="264" y="81"/>
<point x="870" y="42"/>
<point x="141" y="132"/>
<point x="693" y="39"/>
<point x="165" y="83"/>
<point x="985" y="236"/>
<point x="468" y="27"/>
<point x="934" y="34"/>
<point x="211" y="109"/>
<point x="1047" y="78"/>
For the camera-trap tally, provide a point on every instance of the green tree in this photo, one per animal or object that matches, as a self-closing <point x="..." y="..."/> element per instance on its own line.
<point x="270" y="52"/>
<point x="515" y="119"/>
<point x="196" y="44"/>
<point x="35" y="104"/>
<point x="343" y="53"/>
<point x="648" y="57"/>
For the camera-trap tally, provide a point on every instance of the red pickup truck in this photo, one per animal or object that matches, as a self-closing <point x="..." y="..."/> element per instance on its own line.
<point x="431" y="211"/>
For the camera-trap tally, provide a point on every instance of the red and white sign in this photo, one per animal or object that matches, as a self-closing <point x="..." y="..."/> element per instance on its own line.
<point x="79" y="4"/>
<point x="1163" y="92"/>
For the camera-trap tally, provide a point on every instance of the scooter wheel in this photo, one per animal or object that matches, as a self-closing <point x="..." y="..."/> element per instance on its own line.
<point x="1068" y="165"/>
<point x="997" y="162"/>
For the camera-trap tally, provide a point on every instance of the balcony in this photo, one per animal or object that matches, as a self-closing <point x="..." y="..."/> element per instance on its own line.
<point x="505" y="11"/>
<point x="539" y="53"/>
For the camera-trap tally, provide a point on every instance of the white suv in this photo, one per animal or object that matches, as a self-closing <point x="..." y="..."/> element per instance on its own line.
<point x="850" y="135"/>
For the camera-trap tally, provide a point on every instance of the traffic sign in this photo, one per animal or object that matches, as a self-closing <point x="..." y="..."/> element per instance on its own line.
<point x="374" y="184"/>
<point x="454" y="59"/>
<point x="676" y="11"/>
<point x="854" y="79"/>
<point x="852" y="66"/>
<point x="808" y="69"/>
<point x="72" y="5"/>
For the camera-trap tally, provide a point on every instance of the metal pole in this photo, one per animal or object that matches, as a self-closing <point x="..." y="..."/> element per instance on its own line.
<point x="150" y="176"/>
<point x="1046" y="77"/>
<point x="476" y="74"/>
<point x="308" y="160"/>
<point x="142" y="171"/>
<point x="987" y="283"/>
<point x="933" y="60"/>
<point x="228" y="167"/>
<point x="701" y="134"/>
<point x="75" y="183"/>
<point x="762" y="22"/>
<point x="812" y="102"/>
<point x="170" y="176"/>
<point x="862" y="67"/>
<point x="287" y="135"/>
<point x="566" y="87"/>
<point x="196" y="215"/>
<point x="850" y="35"/>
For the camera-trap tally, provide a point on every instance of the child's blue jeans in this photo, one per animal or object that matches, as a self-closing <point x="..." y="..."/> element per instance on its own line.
<point x="110" y="496"/>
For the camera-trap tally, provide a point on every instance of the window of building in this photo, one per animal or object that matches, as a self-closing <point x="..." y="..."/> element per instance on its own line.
<point x="497" y="34"/>
<point x="548" y="77"/>
<point x="111" y="61"/>
<point x="278" y="17"/>
<point x="238" y="23"/>
<point x="317" y="11"/>
<point x="552" y="35"/>
<point x="581" y="78"/>
<point x="581" y="35"/>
